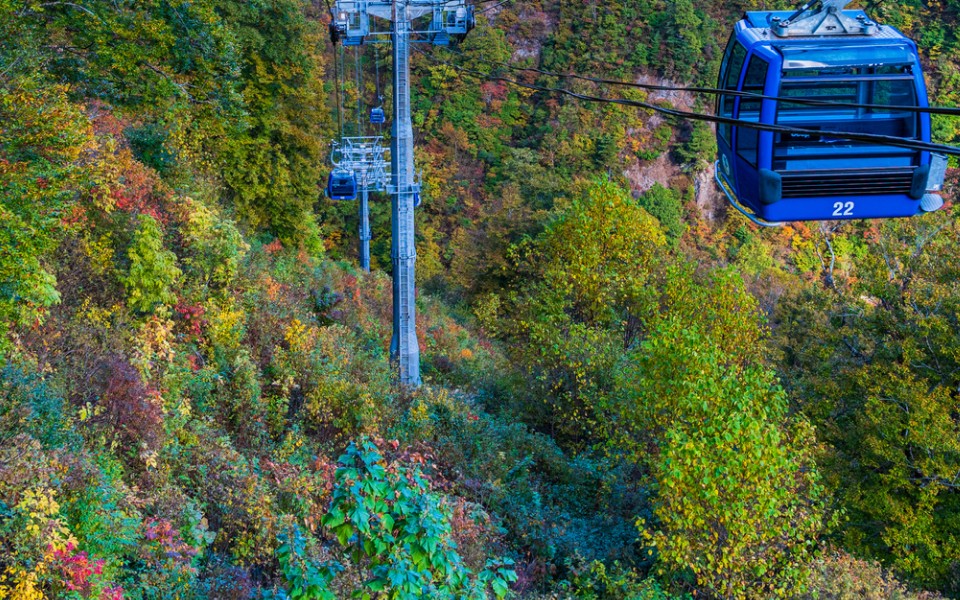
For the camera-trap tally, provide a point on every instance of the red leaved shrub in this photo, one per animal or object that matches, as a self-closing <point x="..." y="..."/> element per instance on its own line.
<point x="130" y="409"/>
<point x="81" y="575"/>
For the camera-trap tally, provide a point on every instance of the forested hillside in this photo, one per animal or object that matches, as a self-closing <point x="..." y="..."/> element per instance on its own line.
<point x="629" y="390"/>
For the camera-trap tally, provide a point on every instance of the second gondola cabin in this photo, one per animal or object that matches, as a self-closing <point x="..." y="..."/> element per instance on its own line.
<point x="831" y="56"/>
<point x="341" y="185"/>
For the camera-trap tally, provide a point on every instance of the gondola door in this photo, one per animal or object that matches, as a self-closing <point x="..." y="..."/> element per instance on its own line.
<point x="730" y="70"/>
<point x="746" y="140"/>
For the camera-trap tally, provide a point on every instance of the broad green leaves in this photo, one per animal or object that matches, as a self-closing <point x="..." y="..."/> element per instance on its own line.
<point x="43" y="144"/>
<point x="740" y="504"/>
<point x="153" y="270"/>
<point x="387" y="517"/>
<point x="305" y="578"/>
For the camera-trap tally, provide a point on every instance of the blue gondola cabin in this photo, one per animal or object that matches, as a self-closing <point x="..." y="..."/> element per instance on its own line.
<point x="781" y="176"/>
<point x="342" y="185"/>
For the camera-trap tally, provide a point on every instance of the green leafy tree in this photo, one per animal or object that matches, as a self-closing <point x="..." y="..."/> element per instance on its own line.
<point x="44" y="143"/>
<point x="873" y="362"/>
<point x="909" y="438"/>
<point x="153" y="269"/>
<point x="665" y="204"/>
<point x="589" y="286"/>
<point x="739" y="503"/>
<point x="149" y="54"/>
<point x="699" y="149"/>
<point x="687" y="23"/>
<point x="272" y="156"/>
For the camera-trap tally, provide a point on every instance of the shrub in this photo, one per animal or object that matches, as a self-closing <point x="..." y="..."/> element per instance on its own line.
<point x="840" y="576"/>
<point x="77" y="576"/>
<point x="222" y="581"/>
<point x="129" y="413"/>
<point x="386" y="514"/>
<point x="239" y="506"/>
<point x="40" y="554"/>
<point x="597" y="581"/>
<point x="238" y="403"/>
<point x="168" y="572"/>
<point x="102" y="513"/>
<point x="665" y="204"/>
<point x="153" y="270"/>
<point x="214" y="248"/>
<point x="29" y="405"/>
<point x="330" y="385"/>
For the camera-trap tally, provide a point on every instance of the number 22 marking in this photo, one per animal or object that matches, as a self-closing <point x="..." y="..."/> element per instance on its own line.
<point x="843" y="209"/>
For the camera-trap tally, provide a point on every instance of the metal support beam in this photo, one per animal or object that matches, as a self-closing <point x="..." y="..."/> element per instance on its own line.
<point x="365" y="229"/>
<point x="404" y="347"/>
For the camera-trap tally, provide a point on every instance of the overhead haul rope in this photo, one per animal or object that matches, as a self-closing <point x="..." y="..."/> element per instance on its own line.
<point x="495" y="6"/>
<point x="933" y="110"/>
<point x="336" y="90"/>
<point x="338" y="75"/>
<point x="694" y="116"/>
<point x="376" y="66"/>
<point x="358" y="65"/>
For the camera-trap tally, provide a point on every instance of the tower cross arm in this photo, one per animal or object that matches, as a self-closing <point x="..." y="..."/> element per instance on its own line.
<point x="384" y="10"/>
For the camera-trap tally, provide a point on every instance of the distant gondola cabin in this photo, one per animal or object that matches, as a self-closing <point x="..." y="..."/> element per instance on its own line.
<point x="866" y="82"/>
<point x="342" y="185"/>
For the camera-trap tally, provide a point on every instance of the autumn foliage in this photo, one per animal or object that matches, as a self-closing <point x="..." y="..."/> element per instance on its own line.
<point x="630" y="391"/>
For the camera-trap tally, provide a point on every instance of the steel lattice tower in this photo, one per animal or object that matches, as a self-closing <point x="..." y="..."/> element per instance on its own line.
<point x="450" y="19"/>
<point x="404" y="346"/>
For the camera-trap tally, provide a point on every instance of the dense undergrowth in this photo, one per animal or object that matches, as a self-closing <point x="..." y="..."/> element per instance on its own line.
<point x="628" y="393"/>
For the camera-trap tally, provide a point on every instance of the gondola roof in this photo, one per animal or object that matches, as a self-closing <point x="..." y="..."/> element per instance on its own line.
<point x="757" y="28"/>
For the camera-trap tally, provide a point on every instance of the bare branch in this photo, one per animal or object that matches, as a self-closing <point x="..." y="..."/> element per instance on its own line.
<point x="73" y="5"/>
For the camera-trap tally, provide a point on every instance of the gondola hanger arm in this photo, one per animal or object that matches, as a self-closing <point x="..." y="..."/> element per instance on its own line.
<point x="822" y="18"/>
